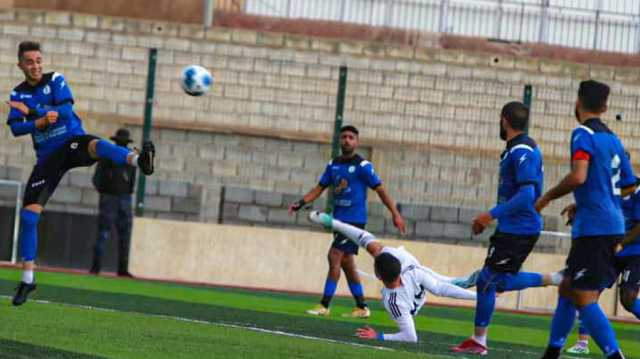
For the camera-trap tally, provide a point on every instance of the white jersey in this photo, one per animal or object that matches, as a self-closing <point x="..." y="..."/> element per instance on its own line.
<point x="404" y="302"/>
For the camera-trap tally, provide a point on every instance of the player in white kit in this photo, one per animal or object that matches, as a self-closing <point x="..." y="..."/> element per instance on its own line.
<point x="406" y="282"/>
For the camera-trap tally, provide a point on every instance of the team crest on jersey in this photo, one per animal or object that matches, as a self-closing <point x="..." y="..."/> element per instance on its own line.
<point x="352" y="169"/>
<point x="74" y="145"/>
<point x="46" y="90"/>
<point x="341" y="186"/>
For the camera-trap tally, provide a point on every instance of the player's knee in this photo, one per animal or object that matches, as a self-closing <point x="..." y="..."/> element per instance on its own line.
<point x="628" y="298"/>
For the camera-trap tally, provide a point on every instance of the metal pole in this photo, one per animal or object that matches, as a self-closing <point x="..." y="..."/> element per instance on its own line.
<point x="146" y="129"/>
<point x="335" y="144"/>
<point x="443" y="23"/>
<point x="16" y="220"/>
<point x="207" y="18"/>
<point x="597" y="29"/>
<point x="637" y="44"/>
<point x="543" y="35"/>
<point x="527" y="99"/>
<point x="498" y="24"/>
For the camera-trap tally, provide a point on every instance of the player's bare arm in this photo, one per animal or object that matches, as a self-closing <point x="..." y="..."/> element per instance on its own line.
<point x="577" y="176"/>
<point x="307" y="198"/>
<point x="398" y="221"/>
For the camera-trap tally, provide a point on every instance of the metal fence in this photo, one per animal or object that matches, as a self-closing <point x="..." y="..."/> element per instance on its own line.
<point x="590" y="24"/>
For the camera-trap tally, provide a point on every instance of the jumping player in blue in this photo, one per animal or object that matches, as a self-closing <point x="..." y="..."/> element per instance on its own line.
<point x="600" y="173"/>
<point x="519" y="225"/>
<point x="42" y="106"/>
<point x="351" y="176"/>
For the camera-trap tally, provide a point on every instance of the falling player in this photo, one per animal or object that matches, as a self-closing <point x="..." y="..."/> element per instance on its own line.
<point x="405" y="280"/>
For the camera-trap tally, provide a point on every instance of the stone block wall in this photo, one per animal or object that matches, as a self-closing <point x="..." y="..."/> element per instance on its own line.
<point x="428" y="117"/>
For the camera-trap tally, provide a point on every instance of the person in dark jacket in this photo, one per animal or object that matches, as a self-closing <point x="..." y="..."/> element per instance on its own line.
<point x="115" y="184"/>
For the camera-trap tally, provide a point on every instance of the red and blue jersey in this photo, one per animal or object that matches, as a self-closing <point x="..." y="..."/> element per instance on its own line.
<point x="50" y="94"/>
<point x="599" y="210"/>
<point x="350" y="178"/>
<point x="520" y="184"/>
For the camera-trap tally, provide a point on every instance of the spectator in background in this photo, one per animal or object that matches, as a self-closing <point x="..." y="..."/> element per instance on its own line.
<point x="115" y="183"/>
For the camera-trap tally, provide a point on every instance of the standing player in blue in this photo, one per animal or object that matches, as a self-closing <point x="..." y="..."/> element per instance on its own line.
<point x="627" y="265"/>
<point x="42" y="106"/>
<point x="350" y="175"/>
<point x="628" y="259"/>
<point x="599" y="169"/>
<point x="519" y="225"/>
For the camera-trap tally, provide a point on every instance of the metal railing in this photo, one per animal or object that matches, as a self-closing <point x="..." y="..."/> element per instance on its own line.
<point x="589" y="24"/>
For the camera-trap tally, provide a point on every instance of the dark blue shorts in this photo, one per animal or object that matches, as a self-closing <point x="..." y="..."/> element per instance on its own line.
<point x="342" y="243"/>
<point x="46" y="176"/>
<point x="591" y="262"/>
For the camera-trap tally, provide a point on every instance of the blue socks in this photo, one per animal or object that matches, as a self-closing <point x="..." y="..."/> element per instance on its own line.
<point x="329" y="290"/>
<point x="562" y="322"/>
<point x="28" y="234"/>
<point x="485" y="303"/>
<point x="107" y="150"/>
<point x="600" y="328"/>
<point x="356" y="289"/>
<point x="523" y="280"/>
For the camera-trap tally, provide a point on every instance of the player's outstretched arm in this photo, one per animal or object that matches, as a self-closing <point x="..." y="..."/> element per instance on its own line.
<point x="306" y="199"/>
<point x="406" y="333"/>
<point x="577" y="176"/>
<point x="398" y="221"/>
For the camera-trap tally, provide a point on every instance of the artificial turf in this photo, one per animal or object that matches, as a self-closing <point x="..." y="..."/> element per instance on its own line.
<point x="102" y="317"/>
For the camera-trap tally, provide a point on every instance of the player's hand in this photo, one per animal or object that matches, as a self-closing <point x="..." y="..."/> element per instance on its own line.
<point x="570" y="211"/>
<point x="20" y="106"/>
<point x="482" y="221"/>
<point x="296" y="206"/>
<point x="366" y="333"/>
<point x="398" y="222"/>
<point x="541" y="204"/>
<point x="51" y="117"/>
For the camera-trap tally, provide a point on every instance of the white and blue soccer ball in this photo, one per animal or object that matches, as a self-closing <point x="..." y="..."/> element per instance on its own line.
<point x="196" y="80"/>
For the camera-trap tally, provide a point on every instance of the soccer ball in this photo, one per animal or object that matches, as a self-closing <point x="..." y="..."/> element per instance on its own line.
<point x="196" y="80"/>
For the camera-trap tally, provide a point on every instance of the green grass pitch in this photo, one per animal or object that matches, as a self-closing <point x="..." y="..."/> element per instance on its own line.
<point x="78" y="316"/>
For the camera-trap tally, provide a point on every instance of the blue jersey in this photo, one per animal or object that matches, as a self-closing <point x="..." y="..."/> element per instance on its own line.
<point x="631" y="212"/>
<point x="520" y="165"/>
<point x="350" y="178"/>
<point x="50" y="94"/>
<point x="598" y="205"/>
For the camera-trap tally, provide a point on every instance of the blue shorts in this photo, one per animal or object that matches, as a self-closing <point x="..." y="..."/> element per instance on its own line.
<point x="342" y="243"/>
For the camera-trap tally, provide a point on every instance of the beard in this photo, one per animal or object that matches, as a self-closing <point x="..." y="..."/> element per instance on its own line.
<point x="346" y="150"/>
<point x="503" y="133"/>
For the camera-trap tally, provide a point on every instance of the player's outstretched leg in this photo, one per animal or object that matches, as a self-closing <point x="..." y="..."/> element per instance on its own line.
<point x="103" y="149"/>
<point x="355" y="234"/>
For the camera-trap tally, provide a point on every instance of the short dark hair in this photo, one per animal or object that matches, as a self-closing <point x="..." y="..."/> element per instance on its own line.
<point x="387" y="267"/>
<point x="517" y="114"/>
<point x="593" y="95"/>
<point x="27" y="46"/>
<point x="350" y="128"/>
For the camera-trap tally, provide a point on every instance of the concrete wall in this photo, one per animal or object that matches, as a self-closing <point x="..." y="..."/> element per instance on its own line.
<point x="295" y="260"/>
<point x="429" y="117"/>
<point x="439" y="224"/>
